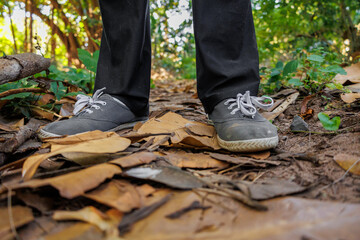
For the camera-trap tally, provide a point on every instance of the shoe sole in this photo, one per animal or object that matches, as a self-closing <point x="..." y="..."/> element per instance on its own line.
<point x="44" y="134"/>
<point x="253" y="145"/>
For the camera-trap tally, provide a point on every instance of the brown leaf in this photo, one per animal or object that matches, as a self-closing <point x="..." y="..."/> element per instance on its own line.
<point x="11" y="125"/>
<point x="283" y="106"/>
<point x="170" y="176"/>
<point x="350" y="97"/>
<point x="112" y="144"/>
<point x="346" y="161"/>
<point x="272" y="188"/>
<point x="77" y="231"/>
<point x="41" y="203"/>
<point x="181" y="137"/>
<point x="66" y="110"/>
<point x="85" y="180"/>
<point x="353" y="74"/>
<point x="42" y="114"/>
<point x="20" y="216"/>
<point x="201" y="129"/>
<point x="259" y="155"/>
<point x="182" y="159"/>
<point x="82" y="137"/>
<point x="120" y="194"/>
<point x="90" y="215"/>
<point x="287" y="218"/>
<point x="134" y="159"/>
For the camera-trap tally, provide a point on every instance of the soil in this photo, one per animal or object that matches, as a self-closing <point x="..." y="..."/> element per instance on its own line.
<point x="323" y="179"/>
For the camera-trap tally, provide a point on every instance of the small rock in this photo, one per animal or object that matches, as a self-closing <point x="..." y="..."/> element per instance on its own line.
<point x="299" y="124"/>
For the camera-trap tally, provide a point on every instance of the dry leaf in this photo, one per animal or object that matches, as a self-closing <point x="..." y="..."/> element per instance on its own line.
<point x="272" y="188"/>
<point x="82" y="137"/>
<point x="42" y="114"/>
<point x="20" y="216"/>
<point x="120" y="194"/>
<point x="194" y="160"/>
<point x="259" y="155"/>
<point x="90" y="215"/>
<point x="354" y="87"/>
<point x="201" y="129"/>
<point x="170" y="176"/>
<point x="353" y="74"/>
<point x="288" y="218"/>
<point x="75" y="184"/>
<point x="185" y="132"/>
<point x="112" y="144"/>
<point x="350" y="97"/>
<point x="135" y="159"/>
<point x="77" y="231"/>
<point x="11" y="125"/>
<point x="346" y="161"/>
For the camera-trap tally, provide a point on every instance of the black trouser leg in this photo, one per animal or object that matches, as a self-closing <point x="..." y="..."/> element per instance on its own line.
<point x="226" y="50"/>
<point x="125" y="53"/>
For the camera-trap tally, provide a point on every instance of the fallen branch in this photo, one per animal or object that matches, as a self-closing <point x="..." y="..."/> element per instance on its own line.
<point x="19" y="66"/>
<point x="20" y="137"/>
<point x="22" y="90"/>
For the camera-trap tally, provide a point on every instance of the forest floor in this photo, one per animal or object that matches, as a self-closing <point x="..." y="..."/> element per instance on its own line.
<point x="168" y="179"/>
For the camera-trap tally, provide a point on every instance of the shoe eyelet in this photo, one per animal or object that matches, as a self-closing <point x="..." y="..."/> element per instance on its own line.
<point x="104" y="103"/>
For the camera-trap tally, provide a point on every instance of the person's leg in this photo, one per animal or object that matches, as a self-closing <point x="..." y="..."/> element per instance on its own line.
<point x="123" y="77"/>
<point x="227" y="55"/>
<point x="228" y="73"/>
<point x="125" y="55"/>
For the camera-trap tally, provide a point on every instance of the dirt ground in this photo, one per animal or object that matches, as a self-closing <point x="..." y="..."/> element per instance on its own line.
<point x="323" y="177"/>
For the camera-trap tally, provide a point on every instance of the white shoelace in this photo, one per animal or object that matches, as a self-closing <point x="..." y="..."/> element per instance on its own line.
<point x="85" y="103"/>
<point x="247" y="104"/>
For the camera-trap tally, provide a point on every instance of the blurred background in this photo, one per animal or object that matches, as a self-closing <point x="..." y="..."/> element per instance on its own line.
<point x="69" y="32"/>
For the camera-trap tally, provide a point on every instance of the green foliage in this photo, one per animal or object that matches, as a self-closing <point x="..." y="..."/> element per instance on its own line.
<point x="309" y="72"/>
<point x="329" y="124"/>
<point x="89" y="60"/>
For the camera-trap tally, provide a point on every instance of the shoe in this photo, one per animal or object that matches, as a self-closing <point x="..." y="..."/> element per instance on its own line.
<point x="240" y="128"/>
<point x="100" y="112"/>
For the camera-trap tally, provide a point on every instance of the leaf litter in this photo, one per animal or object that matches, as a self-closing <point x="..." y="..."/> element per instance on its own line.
<point x="169" y="179"/>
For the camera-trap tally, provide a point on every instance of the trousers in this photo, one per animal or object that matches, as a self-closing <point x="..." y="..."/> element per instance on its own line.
<point x="227" y="61"/>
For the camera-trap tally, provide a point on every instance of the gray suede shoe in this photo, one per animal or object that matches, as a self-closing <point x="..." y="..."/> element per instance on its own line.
<point x="240" y="128"/>
<point x="100" y="112"/>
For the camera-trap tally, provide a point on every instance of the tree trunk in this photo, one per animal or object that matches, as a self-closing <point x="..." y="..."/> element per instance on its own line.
<point x="31" y="47"/>
<point x="12" y="27"/>
<point x="19" y="66"/>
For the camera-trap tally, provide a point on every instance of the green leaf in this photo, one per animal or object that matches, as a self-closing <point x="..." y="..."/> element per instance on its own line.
<point x="329" y="124"/>
<point x="90" y="61"/>
<point x="275" y="72"/>
<point x="279" y="65"/>
<point x="58" y="89"/>
<point x="316" y="58"/>
<point x="17" y="95"/>
<point x="290" y="67"/>
<point x="296" y="82"/>
<point x="334" y="69"/>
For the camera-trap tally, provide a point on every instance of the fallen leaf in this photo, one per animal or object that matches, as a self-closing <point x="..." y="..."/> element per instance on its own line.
<point x="66" y="110"/>
<point x="112" y="144"/>
<point x="350" y="97"/>
<point x="346" y="161"/>
<point x="287" y="218"/>
<point x="85" y="180"/>
<point x="272" y="188"/>
<point x="90" y="215"/>
<point x="184" y="132"/>
<point x="11" y="125"/>
<point x="120" y="194"/>
<point x="201" y="129"/>
<point x="134" y="159"/>
<point x="86" y="159"/>
<point x="244" y="160"/>
<point x="353" y="74"/>
<point x="170" y="176"/>
<point x="82" y="137"/>
<point x="41" y="203"/>
<point x="42" y="114"/>
<point x="77" y="231"/>
<point x="20" y="216"/>
<point x="139" y="214"/>
<point x="354" y="87"/>
<point x="259" y="155"/>
<point x="182" y="159"/>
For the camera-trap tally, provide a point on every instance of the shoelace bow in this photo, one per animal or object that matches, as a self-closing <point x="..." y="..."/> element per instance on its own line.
<point x="84" y="102"/>
<point x="247" y="104"/>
